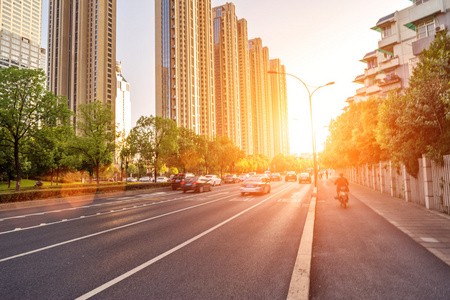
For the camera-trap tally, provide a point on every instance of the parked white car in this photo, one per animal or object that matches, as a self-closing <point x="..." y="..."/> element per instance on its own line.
<point x="144" y="179"/>
<point x="162" y="179"/>
<point x="215" y="179"/>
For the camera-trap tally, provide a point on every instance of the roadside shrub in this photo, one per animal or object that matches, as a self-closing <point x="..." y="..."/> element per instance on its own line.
<point x="75" y="190"/>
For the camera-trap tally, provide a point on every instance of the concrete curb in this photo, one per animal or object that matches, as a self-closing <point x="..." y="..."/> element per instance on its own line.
<point x="300" y="281"/>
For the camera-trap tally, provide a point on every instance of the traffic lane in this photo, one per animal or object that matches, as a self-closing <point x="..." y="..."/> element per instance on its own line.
<point x="87" y="211"/>
<point x="251" y="257"/>
<point x="357" y="254"/>
<point x="71" y="209"/>
<point x="92" y="261"/>
<point x="17" y="242"/>
<point x="50" y="217"/>
<point x="104" y="210"/>
<point x="89" y="223"/>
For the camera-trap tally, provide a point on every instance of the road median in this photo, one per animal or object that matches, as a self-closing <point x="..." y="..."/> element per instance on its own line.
<point x="300" y="280"/>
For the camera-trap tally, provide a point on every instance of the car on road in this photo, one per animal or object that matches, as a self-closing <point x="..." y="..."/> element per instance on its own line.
<point x="256" y="184"/>
<point x="197" y="184"/>
<point x="243" y="177"/>
<point x="275" y="177"/>
<point x="131" y="179"/>
<point x="290" y="175"/>
<point x="304" y="177"/>
<point x="230" y="178"/>
<point x="162" y="179"/>
<point x="178" y="179"/>
<point x="215" y="179"/>
<point x="144" y="179"/>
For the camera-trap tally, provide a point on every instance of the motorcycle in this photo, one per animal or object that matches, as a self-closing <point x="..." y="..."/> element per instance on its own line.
<point x="38" y="184"/>
<point x="343" y="196"/>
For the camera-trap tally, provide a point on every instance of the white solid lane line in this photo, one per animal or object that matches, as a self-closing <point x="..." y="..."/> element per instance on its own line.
<point x="108" y="230"/>
<point x="96" y="214"/>
<point x="161" y="256"/>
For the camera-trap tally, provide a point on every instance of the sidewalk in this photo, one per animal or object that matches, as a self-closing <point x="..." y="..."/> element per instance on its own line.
<point x="429" y="228"/>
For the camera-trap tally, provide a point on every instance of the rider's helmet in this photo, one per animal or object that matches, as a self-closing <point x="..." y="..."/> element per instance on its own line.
<point x="341" y="174"/>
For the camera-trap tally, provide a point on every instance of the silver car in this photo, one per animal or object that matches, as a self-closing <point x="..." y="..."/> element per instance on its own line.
<point x="215" y="179"/>
<point x="256" y="184"/>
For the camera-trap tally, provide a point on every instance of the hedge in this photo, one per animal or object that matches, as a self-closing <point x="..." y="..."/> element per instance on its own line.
<point x="71" y="192"/>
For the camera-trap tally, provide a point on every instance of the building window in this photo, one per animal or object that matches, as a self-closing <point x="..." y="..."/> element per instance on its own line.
<point x="418" y="2"/>
<point x="386" y="31"/>
<point x="425" y="29"/>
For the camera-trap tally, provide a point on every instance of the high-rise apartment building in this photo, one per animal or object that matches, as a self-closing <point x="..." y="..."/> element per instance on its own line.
<point x="185" y="64"/>
<point x="258" y="96"/>
<point x="20" y="34"/>
<point x="226" y="73"/>
<point x="82" y="50"/>
<point x="123" y="103"/>
<point x="245" y="96"/>
<point x="268" y="122"/>
<point x="279" y="107"/>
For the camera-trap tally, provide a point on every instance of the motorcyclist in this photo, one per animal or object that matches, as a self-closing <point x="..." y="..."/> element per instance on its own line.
<point x="340" y="182"/>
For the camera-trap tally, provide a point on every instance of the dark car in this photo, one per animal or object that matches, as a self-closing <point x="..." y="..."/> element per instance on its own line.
<point x="231" y="178"/>
<point x="197" y="184"/>
<point x="178" y="179"/>
<point x="275" y="177"/>
<point x="290" y="176"/>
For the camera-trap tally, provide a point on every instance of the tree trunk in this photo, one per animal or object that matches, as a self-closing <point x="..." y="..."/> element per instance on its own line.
<point x="17" y="163"/>
<point x="51" y="178"/>
<point x="98" y="174"/>
<point x="57" y="176"/>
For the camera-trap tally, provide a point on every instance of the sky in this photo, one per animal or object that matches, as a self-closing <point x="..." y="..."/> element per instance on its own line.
<point x="318" y="41"/>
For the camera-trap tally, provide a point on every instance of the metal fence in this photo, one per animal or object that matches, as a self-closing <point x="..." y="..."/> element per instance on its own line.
<point x="384" y="177"/>
<point x="441" y="185"/>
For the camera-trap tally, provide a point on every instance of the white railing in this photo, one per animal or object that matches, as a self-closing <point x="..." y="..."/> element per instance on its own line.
<point x="395" y="181"/>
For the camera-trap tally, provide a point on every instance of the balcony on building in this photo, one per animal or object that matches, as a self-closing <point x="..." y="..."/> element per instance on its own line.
<point x="361" y="91"/>
<point x="427" y="18"/>
<point x="388" y="29"/>
<point x="424" y="9"/>
<point x="373" y="89"/>
<point x="360" y="79"/>
<point x="389" y="62"/>
<point x="388" y="79"/>
<point x="372" y="65"/>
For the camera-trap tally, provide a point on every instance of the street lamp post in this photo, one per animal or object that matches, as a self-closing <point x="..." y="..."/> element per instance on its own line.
<point x="310" y="112"/>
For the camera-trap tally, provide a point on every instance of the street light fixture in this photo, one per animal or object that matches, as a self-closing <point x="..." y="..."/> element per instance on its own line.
<point x="310" y="112"/>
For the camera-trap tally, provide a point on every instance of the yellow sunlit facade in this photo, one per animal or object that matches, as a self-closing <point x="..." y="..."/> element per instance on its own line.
<point x="185" y="64"/>
<point x="279" y="108"/>
<point x="82" y="51"/>
<point x="226" y="73"/>
<point x="245" y="97"/>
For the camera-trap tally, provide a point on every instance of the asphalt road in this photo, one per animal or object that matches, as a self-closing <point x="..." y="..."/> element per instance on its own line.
<point x="357" y="254"/>
<point x="160" y="245"/>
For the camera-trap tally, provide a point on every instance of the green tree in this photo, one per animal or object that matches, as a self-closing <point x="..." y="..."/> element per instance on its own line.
<point x="418" y="122"/>
<point x="95" y="140"/>
<point x="225" y="153"/>
<point x="25" y="107"/>
<point x="153" y="139"/>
